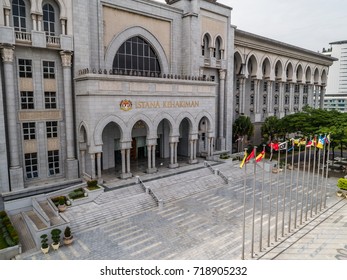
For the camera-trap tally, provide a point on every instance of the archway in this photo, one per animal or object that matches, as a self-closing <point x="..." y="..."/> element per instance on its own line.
<point x="139" y="152"/>
<point x="163" y="143"/>
<point x="183" y="149"/>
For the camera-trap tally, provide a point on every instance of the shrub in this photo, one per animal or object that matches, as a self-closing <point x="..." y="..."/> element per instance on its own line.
<point x="56" y="200"/>
<point x="44" y="241"/>
<point x="56" y="235"/>
<point x="342" y="184"/>
<point x="2" y="214"/>
<point x="61" y="200"/>
<point x="77" y="193"/>
<point x="67" y="232"/>
<point x="8" y="234"/>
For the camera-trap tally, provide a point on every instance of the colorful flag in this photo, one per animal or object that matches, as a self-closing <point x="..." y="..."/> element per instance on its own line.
<point x="260" y="156"/>
<point x="309" y="143"/>
<point x="244" y="160"/>
<point x="274" y="146"/>
<point x="282" y="146"/>
<point x="320" y="143"/>
<point x="250" y="156"/>
<point x="327" y="138"/>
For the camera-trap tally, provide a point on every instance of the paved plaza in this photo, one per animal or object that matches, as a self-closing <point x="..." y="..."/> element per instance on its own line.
<point x="202" y="218"/>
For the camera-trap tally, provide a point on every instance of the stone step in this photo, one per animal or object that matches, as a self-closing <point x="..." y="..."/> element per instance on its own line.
<point x="36" y="219"/>
<point x="120" y="193"/>
<point x="24" y="234"/>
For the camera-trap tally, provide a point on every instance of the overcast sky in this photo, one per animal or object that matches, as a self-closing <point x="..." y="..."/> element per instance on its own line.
<point x="310" y="24"/>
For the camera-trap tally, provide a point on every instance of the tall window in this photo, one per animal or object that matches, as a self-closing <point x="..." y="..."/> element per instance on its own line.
<point x="52" y="129"/>
<point x="205" y="48"/>
<point x="286" y="100"/>
<point x="251" y="99"/>
<point x="305" y="88"/>
<point x="277" y="87"/>
<point x="27" y="100"/>
<point x="287" y="87"/>
<point x="265" y="87"/>
<point x="276" y="100"/>
<point x="218" y="49"/>
<point x="252" y="85"/>
<point x="29" y="131"/>
<point x="25" y="68"/>
<point x="50" y="100"/>
<point x="264" y="99"/>
<point x="48" y="69"/>
<point x="19" y="15"/>
<point x="137" y="55"/>
<point x="53" y="162"/>
<point x="296" y="88"/>
<point x="48" y="19"/>
<point x="31" y="165"/>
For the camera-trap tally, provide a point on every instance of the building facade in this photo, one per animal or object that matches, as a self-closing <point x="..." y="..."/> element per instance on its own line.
<point x="336" y="91"/>
<point x="91" y="86"/>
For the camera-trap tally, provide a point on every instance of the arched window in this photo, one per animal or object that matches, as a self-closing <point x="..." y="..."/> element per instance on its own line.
<point x="205" y="48"/>
<point x="136" y="55"/>
<point x="48" y="19"/>
<point x="218" y="49"/>
<point x="19" y="15"/>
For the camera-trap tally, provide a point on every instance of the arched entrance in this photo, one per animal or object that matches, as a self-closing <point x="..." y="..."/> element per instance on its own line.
<point x="163" y="148"/>
<point x="205" y="146"/>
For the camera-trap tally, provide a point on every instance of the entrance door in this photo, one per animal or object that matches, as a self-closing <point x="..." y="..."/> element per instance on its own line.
<point x="133" y="151"/>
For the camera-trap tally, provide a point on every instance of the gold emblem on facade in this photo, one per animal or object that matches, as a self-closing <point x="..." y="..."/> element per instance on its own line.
<point x="126" y="105"/>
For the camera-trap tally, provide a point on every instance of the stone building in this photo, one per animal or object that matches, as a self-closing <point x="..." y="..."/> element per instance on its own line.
<point x="92" y="86"/>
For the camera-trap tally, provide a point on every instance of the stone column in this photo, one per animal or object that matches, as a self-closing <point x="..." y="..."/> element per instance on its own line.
<point x="92" y="158"/>
<point x="257" y="100"/>
<point x="173" y="152"/>
<point x="270" y="95"/>
<point x="83" y="163"/>
<point x="193" y="142"/>
<point x="281" y="99"/>
<point x="33" y="17"/>
<point x="39" y="23"/>
<point x="16" y="170"/>
<point x="63" y="26"/>
<point x="310" y="96"/>
<point x="242" y="95"/>
<point x="221" y="139"/>
<point x="125" y="151"/>
<point x="321" y="99"/>
<point x="123" y="161"/>
<point x="128" y="161"/>
<point x="301" y="95"/>
<point x="291" y="97"/>
<point x="98" y="162"/>
<point x="153" y="157"/>
<point x="71" y="162"/>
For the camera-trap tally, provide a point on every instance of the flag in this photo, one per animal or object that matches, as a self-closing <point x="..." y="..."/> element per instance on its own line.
<point x="327" y="138"/>
<point x="260" y="156"/>
<point x="274" y="146"/>
<point x="320" y="143"/>
<point x="250" y="156"/>
<point x="309" y="143"/>
<point x="244" y="160"/>
<point x="282" y="146"/>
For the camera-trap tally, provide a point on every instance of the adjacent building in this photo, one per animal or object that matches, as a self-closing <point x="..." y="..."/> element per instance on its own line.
<point x="92" y="86"/>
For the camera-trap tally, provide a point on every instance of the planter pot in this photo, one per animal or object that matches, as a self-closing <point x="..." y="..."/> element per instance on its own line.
<point x="55" y="246"/>
<point x="341" y="193"/>
<point x="68" y="240"/>
<point x="45" y="250"/>
<point x="61" y="208"/>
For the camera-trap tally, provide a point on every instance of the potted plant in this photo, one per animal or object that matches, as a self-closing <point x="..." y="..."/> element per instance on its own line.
<point x="62" y="205"/>
<point x="342" y="185"/>
<point x="68" y="238"/>
<point x="56" y="238"/>
<point x="44" y="243"/>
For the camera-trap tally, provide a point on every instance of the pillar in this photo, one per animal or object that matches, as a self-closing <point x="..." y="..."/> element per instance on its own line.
<point x="16" y="170"/>
<point x="92" y="159"/>
<point x="83" y="162"/>
<point x="221" y="139"/>
<point x="33" y="17"/>
<point x="321" y="98"/>
<point x="7" y="16"/>
<point x="270" y="98"/>
<point x="125" y="152"/>
<point x="123" y="161"/>
<point x="149" y="157"/>
<point x="71" y="162"/>
<point x="153" y="157"/>
<point x="242" y="95"/>
<point x="39" y="23"/>
<point x="173" y="155"/>
<point x="98" y="163"/>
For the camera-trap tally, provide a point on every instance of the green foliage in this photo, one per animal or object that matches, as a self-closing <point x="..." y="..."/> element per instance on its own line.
<point x="224" y="156"/>
<point x="342" y="184"/>
<point x="92" y="185"/>
<point x="8" y="235"/>
<point x="44" y="241"/>
<point x="272" y="127"/>
<point x="77" y="193"/>
<point x="59" y="199"/>
<point x="67" y="232"/>
<point x="243" y="126"/>
<point x="55" y="233"/>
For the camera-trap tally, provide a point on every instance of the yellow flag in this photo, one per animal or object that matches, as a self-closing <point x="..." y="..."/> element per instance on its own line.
<point x="243" y="161"/>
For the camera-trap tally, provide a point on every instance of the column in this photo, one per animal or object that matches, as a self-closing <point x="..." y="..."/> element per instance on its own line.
<point x="153" y="157"/>
<point x="321" y="99"/>
<point x="301" y="95"/>
<point x="270" y="99"/>
<point x="194" y="150"/>
<point x="39" y="23"/>
<point x="71" y="162"/>
<point x="16" y="171"/>
<point x="281" y="99"/>
<point x="92" y="159"/>
<point x="7" y="17"/>
<point x="257" y="100"/>
<point x="208" y="147"/>
<point x="83" y="163"/>
<point x="191" y="150"/>
<point x="128" y="161"/>
<point x="149" y="156"/>
<point x="123" y="161"/>
<point x="242" y="95"/>
<point x="98" y="158"/>
<point x="173" y="155"/>
<point x="221" y="139"/>
<point x="63" y="26"/>
<point x="291" y="97"/>
<point x="33" y="17"/>
<point x="310" y="96"/>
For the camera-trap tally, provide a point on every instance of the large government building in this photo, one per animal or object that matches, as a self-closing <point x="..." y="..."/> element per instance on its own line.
<point x="89" y="86"/>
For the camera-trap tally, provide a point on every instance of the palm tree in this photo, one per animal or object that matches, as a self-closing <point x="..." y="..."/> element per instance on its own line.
<point x="242" y="128"/>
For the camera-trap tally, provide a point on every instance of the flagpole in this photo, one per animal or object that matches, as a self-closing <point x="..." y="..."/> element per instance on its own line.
<point x="261" y="205"/>
<point x="303" y="182"/>
<point x="244" y="210"/>
<point x="291" y="190"/>
<point x="270" y="194"/>
<point x="277" y="191"/>
<point x="284" y="188"/>
<point x="318" y="176"/>
<point x="327" y="172"/>
<point x="297" y="187"/>
<point x="323" y="166"/>
<point x="253" y="212"/>
<point x="313" y="173"/>
<point x="308" y="177"/>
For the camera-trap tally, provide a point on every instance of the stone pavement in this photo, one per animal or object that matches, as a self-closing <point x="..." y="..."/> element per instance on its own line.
<point x="206" y="222"/>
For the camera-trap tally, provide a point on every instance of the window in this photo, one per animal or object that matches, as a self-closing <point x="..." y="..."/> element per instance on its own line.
<point x="296" y="100"/>
<point x="252" y="85"/>
<point x="52" y="129"/>
<point x="251" y="102"/>
<point x="237" y="84"/>
<point x="275" y="112"/>
<point x="19" y="15"/>
<point x="27" y="100"/>
<point x="50" y="100"/>
<point x="296" y="88"/>
<point x="277" y="87"/>
<point x="205" y="47"/>
<point x="29" y="131"/>
<point x="287" y="87"/>
<point x="48" y="19"/>
<point x="305" y="88"/>
<point x="218" y="49"/>
<point x="31" y="167"/>
<point x="25" y="68"/>
<point x="237" y="99"/>
<point x="276" y="100"/>
<point x="286" y="100"/>
<point x="265" y="87"/>
<point x="136" y="55"/>
<point x="264" y="99"/>
<point x="53" y="162"/>
<point x="48" y="69"/>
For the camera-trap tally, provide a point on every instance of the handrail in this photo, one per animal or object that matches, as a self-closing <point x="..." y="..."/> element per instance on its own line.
<point x="148" y="190"/>
<point x="217" y="172"/>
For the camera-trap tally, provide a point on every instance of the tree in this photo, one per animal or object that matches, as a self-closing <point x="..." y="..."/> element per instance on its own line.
<point x="242" y="128"/>
<point x="271" y="127"/>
